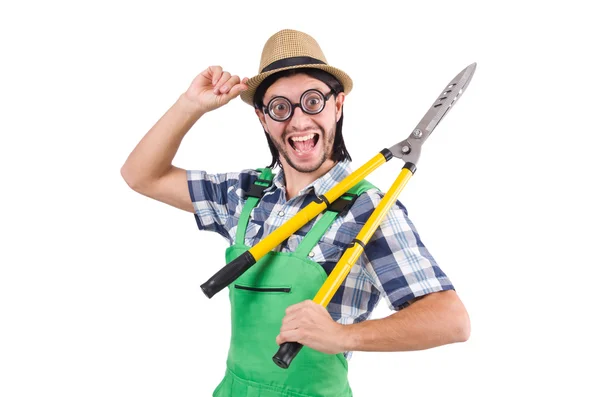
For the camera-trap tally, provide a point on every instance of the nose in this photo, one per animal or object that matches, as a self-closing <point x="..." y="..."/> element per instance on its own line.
<point x="299" y="119"/>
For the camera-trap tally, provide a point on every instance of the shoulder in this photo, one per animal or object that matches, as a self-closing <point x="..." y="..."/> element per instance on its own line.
<point x="247" y="176"/>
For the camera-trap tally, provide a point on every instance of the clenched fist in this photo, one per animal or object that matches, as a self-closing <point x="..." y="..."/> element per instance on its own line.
<point x="311" y="325"/>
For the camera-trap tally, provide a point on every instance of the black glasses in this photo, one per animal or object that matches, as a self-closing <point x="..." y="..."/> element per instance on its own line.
<point x="311" y="102"/>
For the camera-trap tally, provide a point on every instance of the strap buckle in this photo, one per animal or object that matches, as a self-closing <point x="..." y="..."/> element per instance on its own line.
<point x="257" y="190"/>
<point x="341" y="205"/>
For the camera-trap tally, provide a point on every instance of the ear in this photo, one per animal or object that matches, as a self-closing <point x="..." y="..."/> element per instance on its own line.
<point x="339" y="102"/>
<point x="261" y="117"/>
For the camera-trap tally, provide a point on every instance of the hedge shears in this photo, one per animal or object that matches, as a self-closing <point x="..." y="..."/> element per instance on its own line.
<point x="408" y="150"/>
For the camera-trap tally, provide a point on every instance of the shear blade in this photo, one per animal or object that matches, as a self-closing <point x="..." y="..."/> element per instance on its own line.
<point x="409" y="149"/>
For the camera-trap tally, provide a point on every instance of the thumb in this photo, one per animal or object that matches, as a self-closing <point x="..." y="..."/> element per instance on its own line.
<point x="235" y="91"/>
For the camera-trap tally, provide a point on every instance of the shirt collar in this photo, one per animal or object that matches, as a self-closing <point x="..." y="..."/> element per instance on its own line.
<point x="320" y="186"/>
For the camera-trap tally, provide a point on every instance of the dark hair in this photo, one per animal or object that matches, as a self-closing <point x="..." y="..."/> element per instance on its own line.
<point x="339" y="147"/>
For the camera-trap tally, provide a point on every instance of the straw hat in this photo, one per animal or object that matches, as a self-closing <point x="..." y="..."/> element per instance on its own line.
<point x="291" y="49"/>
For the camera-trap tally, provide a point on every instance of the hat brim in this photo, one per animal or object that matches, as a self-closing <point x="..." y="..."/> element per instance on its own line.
<point x="253" y="83"/>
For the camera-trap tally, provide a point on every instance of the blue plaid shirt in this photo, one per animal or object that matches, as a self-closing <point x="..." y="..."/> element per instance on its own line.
<point x="395" y="264"/>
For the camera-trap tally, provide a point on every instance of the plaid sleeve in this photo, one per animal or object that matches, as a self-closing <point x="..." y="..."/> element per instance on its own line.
<point x="397" y="262"/>
<point x="216" y="198"/>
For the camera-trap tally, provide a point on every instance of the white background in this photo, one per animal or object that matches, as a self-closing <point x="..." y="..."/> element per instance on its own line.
<point x="99" y="286"/>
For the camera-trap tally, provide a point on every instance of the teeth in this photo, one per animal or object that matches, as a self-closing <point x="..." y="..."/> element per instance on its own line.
<point x="303" y="138"/>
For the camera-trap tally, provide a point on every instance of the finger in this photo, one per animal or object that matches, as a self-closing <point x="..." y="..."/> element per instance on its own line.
<point x="289" y="322"/>
<point x="224" y="77"/>
<point x="215" y="73"/>
<point x="233" y="80"/>
<point x="203" y="79"/>
<point x="293" y="335"/>
<point x="238" y="89"/>
<point x="294" y="308"/>
<point x="235" y="91"/>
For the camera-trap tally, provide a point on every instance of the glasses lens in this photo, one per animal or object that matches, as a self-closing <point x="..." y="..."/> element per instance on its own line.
<point x="313" y="102"/>
<point x="279" y="108"/>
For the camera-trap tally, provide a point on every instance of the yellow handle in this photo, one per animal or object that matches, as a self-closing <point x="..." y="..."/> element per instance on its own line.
<point x="313" y="209"/>
<point x="341" y="270"/>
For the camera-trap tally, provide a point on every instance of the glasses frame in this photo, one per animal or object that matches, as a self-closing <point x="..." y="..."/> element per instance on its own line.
<point x="293" y="106"/>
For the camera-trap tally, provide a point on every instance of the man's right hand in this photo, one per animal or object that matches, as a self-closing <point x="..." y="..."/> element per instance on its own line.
<point x="149" y="169"/>
<point x="213" y="88"/>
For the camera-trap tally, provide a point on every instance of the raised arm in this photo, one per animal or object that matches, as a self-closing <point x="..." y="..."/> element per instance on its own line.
<point x="149" y="170"/>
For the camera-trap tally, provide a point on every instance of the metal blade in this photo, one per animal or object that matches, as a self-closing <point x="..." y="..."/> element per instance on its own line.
<point x="410" y="148"/>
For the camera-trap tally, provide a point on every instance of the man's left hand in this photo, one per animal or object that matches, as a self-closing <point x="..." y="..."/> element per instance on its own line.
<point x="311" y="325"/>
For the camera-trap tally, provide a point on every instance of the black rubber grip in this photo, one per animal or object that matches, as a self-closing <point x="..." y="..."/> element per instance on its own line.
<point x="286" y="353"/>
<point x="228" y="274"/>
<point x="411" y="167"/>
<point x="387" y="153"/>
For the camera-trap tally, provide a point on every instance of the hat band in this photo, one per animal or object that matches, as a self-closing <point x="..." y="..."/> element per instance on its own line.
<point x="293" y="61"/>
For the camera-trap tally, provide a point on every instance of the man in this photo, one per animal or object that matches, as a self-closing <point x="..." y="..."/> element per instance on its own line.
<point x="299" y="99"/>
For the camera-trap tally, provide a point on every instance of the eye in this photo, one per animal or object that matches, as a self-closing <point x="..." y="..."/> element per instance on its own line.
<point x="313" y="101"/>
<point x="279" y="107"/>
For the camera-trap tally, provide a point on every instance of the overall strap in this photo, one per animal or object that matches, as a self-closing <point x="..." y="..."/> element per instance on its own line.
<point x="341" y="205"/>
<point x="253" y="196"/>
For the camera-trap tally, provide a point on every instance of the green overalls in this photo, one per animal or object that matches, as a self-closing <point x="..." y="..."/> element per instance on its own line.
<point x="258" y="302"/>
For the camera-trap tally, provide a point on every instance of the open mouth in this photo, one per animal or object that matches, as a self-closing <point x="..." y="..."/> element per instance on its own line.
<point x="303" y="144"/>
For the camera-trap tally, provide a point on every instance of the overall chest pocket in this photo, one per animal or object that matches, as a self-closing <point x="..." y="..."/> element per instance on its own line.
<point x="263" y="289"/>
